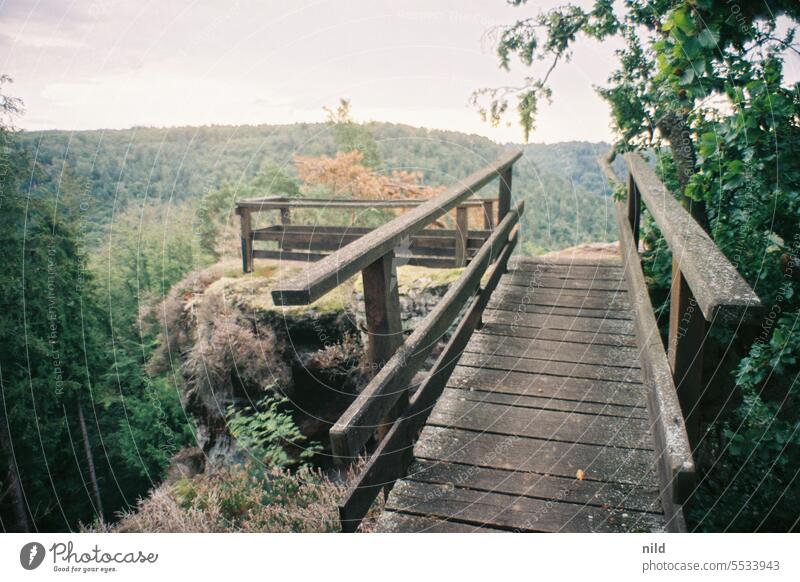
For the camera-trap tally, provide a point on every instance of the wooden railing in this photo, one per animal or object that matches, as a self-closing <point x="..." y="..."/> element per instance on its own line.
<point x="384" y="410"/>
<point x="433" y="247"/>
<point x="706" y="287"/>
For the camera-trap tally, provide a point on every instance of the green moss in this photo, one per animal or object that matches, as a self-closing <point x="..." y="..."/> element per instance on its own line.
<point x="419" y="278"/>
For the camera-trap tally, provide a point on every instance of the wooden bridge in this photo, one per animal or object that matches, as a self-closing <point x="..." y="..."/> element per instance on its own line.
<point x="553" y="406"/>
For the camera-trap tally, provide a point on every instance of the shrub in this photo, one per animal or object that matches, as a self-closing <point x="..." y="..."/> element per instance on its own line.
<point x="240" y="498"/>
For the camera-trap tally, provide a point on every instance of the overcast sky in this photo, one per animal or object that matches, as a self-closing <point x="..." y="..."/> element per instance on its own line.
<point x="88" y="64"/>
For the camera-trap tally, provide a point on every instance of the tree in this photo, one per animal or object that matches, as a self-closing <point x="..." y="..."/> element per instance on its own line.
<point x="705" y="77"/>
<point x="351" y="136"/>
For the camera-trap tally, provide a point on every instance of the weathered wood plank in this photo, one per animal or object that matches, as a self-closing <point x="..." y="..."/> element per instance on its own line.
<point x="278" y="202"/>
<point x="547" y="403"/>
<point x="557" y="351"/>
<point x="591" y="300"/>
<point x="611" y="313"/>
<point x="514" y="512"/>
<point x="399" y="522"/>
<point x="599" y="463"/>
<point x="614" y="273"/>
<point x="569" y="261"/>
<point x="562" y="322"/>
<point x="329" y="239"/>
<point x="328" y="273"/>
<point x="536" y="281"/>
<point x="551" y="367"/>
<point x="607" y="495"/>
<point x="559" y="335"/>
<point x="432" y="262"/>
<point x="561" y="387"/>
<point x="485" y="417"/>
<point x="720" y="290"/>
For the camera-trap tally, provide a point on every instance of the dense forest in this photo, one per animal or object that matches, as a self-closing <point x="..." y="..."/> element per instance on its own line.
<point x="562" y="182"/>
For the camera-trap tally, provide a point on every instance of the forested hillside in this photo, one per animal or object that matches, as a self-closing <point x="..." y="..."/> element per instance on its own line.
<point x="562" y="182"/>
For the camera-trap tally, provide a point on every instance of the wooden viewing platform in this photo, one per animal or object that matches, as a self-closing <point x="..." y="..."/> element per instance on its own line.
<point x="554" y="405"/>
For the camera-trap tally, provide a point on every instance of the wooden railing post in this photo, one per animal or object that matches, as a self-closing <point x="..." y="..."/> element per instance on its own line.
<point x="286" y="220"/>
<point x="634" y="208"/>
<point x="462" y="229"/>
<point x="384" y="326"/>
<point x="687" y="332"/>
<point x="504" y="196"/>
<point x="488" y="215"/>
<point x="246" y="221"/>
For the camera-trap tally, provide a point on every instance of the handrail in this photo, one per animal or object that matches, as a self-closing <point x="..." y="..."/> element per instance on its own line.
<point x="280" y="202"/>
<point x="721" y="292"/>
<point x="339" y="266"/>
<point x="360" y="420"/>
<point x="673" y="449"/>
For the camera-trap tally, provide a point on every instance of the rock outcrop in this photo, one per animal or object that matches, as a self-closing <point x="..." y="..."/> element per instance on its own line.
<point x="233" y="346"/>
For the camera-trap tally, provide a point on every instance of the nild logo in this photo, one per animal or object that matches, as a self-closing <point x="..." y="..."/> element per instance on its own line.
<point x="31" y="555"/>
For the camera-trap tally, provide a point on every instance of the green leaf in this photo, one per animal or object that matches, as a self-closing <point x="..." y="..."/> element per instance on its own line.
<point x="687" y="77"/>
<point x="707" y="38"/>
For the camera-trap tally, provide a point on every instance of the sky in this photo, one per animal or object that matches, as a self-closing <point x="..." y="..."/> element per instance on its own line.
<point x="91" y="64"/>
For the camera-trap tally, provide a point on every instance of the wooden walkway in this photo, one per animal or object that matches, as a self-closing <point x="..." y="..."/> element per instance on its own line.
<point x="543" y="425"/>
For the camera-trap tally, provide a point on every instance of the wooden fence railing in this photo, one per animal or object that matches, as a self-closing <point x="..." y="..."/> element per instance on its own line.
<point x="706" y="287"/>
<point x="385" y="410"/>
<point x="433" y="247"/>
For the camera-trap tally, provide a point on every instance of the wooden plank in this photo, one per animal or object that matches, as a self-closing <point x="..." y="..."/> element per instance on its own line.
<point x="502" y="303"/>
<point x="599" y="463"/>
<point x="534" y="281"/>
<point x="569" y="271"/>
<point x="562" y="322"/>
<point x="551" y="367"/>
<point x="569" y="261"/>
<point x="331" y="240"/>
<point x="442" y="235"/>
<point x="558" y="335"/>
<point x="399" y="522"/>
<point x="277" y="202"/>
<point x="328" y="273"/>
<point x="517" y="483"/>
<point x="720" y="290"/>
<point x="539" y="402"/>
<point x="513" y="512"/>
<point x="564" y="388"/>
<point x="359" y="421"/>
<point x="592" y="299"/>
<point x="390" y="459"/>
<point x="432" y="262"/>
<point x="486" y="417"/>
<point x="556" y="351"/>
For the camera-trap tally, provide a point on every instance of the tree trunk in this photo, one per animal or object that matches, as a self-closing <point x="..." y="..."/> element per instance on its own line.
<point x="90" y="462"/>
<point x="675" y="130"/>
<point x="15" y="487"/>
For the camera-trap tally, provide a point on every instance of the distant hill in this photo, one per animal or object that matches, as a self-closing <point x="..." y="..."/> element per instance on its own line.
<point x="561" y="183"/>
